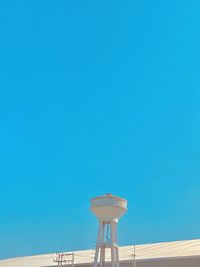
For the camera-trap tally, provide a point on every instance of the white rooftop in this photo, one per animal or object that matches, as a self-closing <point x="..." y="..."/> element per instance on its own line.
<point x="189" y="248"/>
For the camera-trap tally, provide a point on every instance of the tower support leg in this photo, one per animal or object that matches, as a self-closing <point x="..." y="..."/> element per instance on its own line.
<point x="102" y="244"/>
<point x="98" y="244"/>
<point x="113" y="255"/>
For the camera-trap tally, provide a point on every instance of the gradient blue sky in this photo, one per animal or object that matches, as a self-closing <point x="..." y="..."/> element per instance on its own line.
<point x="96" y="97"/>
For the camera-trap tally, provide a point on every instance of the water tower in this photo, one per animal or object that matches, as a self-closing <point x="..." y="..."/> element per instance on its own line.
<point x="108" y="209"/>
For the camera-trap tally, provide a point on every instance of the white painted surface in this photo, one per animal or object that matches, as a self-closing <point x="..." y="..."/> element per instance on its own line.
<point x="108" y="207"/>
<point x="178" y="249"/>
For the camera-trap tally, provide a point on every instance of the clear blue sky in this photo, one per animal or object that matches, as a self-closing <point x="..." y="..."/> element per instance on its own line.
<point x="96" y="97"/>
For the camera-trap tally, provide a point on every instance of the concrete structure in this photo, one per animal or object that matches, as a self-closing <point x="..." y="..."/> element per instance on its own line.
<point x="108" y="209"/>
<point x="167" y="254"/>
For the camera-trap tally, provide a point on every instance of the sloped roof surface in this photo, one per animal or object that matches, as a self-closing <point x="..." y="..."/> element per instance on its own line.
<point x="189" y="248"/>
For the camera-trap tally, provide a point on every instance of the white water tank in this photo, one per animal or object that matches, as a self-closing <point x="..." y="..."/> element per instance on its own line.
<point x="108" y="207"/>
